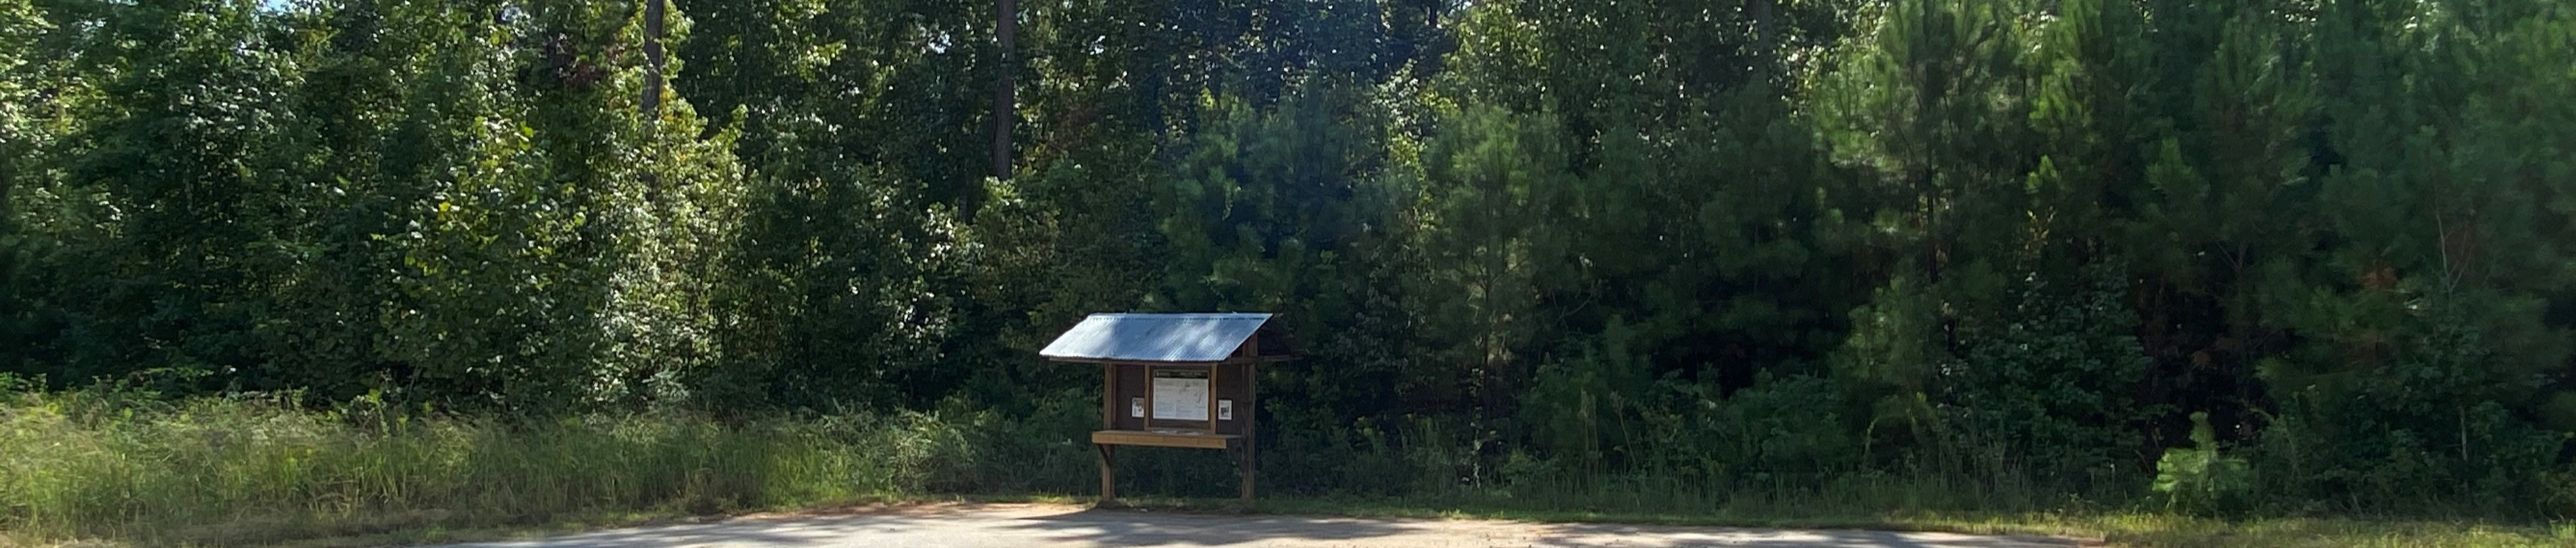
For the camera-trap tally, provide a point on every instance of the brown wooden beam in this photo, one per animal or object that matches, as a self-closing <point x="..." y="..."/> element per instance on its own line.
<point x="1108" y="472"/>
<point x="1108" y="419"/>
<point x="1250" y="412"/>
<point x="1191" y="440"/>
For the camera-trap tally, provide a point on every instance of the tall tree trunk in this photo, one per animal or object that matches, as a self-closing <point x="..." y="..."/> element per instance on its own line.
<point x="653" y="59"/>
<point x="1005" y="106"/>
<point x="1767" y="37"/>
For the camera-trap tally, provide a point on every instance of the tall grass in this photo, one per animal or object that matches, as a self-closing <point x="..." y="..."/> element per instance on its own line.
<point x="236" y="471"/>
<point x="260" y="470"/>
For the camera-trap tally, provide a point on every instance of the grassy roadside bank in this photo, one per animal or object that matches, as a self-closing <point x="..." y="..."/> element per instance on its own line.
<point x="2110" y="528"/>
<point x="88" y="467"/>
<point x="236" y="472"/>
<point x="2114" y="528"/>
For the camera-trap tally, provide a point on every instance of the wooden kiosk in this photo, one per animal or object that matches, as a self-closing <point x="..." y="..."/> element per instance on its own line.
<point x="1172" y="380"/>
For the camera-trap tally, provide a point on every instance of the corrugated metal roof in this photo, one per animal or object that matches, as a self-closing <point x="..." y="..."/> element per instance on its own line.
<point x="1156" y="337"/>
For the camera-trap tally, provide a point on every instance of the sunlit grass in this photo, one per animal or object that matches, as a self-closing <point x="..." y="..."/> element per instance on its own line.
<point x="1900" y="504"/>
<point x="220" y="472"/>
<point x="81" y="467"/>
<point x="2108" y="528"/>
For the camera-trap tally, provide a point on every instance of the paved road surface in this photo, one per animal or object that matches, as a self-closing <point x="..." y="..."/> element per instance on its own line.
<point x="1058" y="526"/>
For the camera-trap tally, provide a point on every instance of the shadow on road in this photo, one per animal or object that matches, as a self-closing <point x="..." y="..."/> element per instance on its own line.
<point x="1593" y="534"/>
<point x="1134" y="528"/>
<point x="780" y="532"/>
<point x="1036" y="526"/>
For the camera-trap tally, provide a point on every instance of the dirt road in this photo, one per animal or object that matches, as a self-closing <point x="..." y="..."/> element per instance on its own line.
<point x="1058" y="526"/>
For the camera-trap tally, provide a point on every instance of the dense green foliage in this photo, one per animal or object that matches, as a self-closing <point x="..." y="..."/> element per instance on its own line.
<point x="1524" y="245"/>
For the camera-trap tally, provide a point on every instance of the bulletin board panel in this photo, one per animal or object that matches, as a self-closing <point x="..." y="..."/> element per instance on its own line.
<point x="1135" y="399"/>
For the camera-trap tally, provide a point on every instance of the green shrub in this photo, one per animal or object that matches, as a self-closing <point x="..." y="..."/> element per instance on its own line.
<point x="2054" y="385"/>
<point x="2198" y="478"/>
<point x="2425" y="428"/>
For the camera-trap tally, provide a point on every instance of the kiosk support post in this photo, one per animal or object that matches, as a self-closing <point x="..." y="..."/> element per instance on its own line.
<point x="1252" y="409"/>
<point x="1108" y="419"/>
<point x="1251" y="350"/>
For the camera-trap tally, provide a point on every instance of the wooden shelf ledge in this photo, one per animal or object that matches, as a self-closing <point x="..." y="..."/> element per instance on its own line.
<point x="1166" y="438"/>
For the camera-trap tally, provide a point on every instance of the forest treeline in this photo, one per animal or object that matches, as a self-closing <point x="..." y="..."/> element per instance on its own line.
<point x="2291" y="254"/>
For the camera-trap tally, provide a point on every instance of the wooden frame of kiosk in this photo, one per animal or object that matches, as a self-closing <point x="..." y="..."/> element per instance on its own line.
<point x="1173" y="380"/>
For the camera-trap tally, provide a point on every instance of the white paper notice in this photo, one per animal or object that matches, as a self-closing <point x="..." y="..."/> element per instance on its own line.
<point x="1180" y="399"/>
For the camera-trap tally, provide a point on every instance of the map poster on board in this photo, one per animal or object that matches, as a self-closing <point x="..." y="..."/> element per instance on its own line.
<point x="1180" y="394"/>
